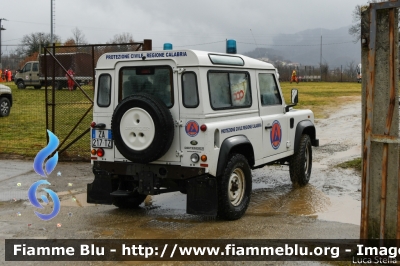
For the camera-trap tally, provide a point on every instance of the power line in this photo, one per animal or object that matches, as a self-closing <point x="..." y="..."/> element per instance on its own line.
<point x="297" y="44"/>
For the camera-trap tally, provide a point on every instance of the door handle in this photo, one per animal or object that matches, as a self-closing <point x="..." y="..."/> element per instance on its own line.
<point x="268" y="127"/>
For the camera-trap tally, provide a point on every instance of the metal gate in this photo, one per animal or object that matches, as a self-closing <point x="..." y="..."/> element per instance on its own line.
<point x="69" y="79"/>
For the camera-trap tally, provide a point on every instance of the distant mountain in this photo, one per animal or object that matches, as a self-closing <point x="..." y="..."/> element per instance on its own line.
<point x="304" y="47"/>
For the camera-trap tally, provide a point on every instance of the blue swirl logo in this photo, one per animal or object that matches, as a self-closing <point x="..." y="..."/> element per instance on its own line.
<point x="38" y="163"/>
<point x="44" y="169"/>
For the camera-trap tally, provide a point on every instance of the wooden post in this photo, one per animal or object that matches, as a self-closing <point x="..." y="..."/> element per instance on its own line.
<point x="380" y="171"/>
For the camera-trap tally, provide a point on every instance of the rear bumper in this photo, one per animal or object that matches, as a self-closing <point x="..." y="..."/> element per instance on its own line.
<point x="201" y="189"/>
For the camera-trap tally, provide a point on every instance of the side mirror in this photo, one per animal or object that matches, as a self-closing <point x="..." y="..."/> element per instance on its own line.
<point x="295" y="100"/>
<point x="295" y="96"/>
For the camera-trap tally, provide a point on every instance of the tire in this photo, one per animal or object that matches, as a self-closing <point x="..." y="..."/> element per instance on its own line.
<point x="21" y="85"/>
<point x="234" y="188"/>
<point x="129" y="202"/>
<point x="5" y="107"/>
<point x="38" y="87"/>
<point x="142" y="128"/>
<point x="301" y="163"/>
<point x="58" y="85"/>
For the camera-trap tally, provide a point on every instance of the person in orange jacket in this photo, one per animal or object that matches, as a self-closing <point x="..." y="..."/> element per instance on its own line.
<point x="9" y="74"/>
<point x="294" y="77"/>
<point x="71" y="82"/>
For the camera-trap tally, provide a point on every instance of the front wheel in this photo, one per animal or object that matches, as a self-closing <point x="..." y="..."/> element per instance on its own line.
<point x="20" y="85"/>
<point x="234" y="188"/>
<point x="301" y="162"/>
<point x="4" y="107"/>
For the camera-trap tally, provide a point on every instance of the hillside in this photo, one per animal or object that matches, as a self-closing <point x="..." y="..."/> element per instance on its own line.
<point x="303" y="47"/>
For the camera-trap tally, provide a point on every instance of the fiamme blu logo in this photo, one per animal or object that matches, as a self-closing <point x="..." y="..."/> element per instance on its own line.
<point x="43" y="168"/>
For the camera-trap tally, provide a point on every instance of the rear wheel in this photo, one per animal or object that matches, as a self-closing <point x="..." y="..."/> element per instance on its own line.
<point x="301" y="162"/>
<point x="58" y="85"/>
<point x="234" y="188"/>
<point x="130" y="202"/>
<point x="38" y="87"/>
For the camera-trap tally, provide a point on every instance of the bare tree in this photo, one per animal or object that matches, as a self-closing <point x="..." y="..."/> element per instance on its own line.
<point x="122" y="38"/>
<point x="350" y="71"/>
<point x="78" y="36"/>
<point x="31" y="43"/>
<point x="355" y="29"/>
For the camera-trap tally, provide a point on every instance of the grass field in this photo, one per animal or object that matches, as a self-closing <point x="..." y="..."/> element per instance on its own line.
<point x="24" y="131"/>
<point x="322" y="97"/>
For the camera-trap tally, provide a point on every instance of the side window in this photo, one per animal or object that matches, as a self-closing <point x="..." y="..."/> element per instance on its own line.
<point x="27" y="68"/>
<point x="104" y="91"/>
<point x="189" y="90"/>
<point x="35" y="67"/>
<point x="269" y="92"/>
<point x="229" y="90"/>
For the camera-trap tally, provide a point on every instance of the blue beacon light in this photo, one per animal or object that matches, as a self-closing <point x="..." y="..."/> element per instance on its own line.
<point x="167" y="46"/>
<point x="230" y="46"/>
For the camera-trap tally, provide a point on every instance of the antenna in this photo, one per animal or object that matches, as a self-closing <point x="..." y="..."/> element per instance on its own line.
<point x="254" y="38"/>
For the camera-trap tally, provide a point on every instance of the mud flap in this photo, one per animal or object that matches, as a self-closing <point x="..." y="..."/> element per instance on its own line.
<point x="99" y="191"/>
<point x="202" y="197"/>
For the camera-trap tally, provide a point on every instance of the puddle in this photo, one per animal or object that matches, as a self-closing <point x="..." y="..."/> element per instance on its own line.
<point x="342" y="209"/>
<point x="288" y="200"/>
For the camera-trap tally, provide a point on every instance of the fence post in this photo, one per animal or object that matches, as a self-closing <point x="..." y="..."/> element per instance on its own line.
<point x="380" y="169"/>
<point x="147" y="45"/>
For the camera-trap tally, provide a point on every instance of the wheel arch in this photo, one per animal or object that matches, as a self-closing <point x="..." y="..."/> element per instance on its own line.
<point x="235" y="144"/>
<point x="305" y="127"/>
<point x="8" y="96"/>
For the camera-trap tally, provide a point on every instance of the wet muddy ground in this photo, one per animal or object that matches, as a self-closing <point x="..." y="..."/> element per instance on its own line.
<point x="329" y="207"/>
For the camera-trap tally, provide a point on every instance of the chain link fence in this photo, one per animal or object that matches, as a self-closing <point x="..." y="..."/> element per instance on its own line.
<point x="60" y="101"/>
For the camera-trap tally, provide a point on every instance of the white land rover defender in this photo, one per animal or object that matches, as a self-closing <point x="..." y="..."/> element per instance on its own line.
<point x="195" y="122"/>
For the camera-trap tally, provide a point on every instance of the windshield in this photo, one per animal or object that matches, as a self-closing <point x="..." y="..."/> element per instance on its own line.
<point x="155" y="80"/>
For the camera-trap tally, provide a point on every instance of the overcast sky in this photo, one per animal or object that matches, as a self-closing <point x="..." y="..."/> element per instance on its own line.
<point x="201" y="25"/>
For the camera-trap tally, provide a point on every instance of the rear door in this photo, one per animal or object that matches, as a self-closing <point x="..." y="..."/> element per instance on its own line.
<point x="159" y="79"/>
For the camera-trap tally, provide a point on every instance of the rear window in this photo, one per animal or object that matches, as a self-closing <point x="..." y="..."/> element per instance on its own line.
<point x="229" y="89"/>
<point x="104" y="91"/>
<point x="155" y="80"/>
<point x="189" y="90"/>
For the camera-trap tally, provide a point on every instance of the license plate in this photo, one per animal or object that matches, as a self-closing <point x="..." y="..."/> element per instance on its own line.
<point x="101" y="138"/>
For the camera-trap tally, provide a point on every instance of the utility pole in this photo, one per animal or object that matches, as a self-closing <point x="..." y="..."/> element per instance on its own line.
<point x="52" y="21"/>
<point x="40" y="43"/>
<point x="320" y="61"/>
<point x="1" y="28"/>
<point x="341" y="74"/>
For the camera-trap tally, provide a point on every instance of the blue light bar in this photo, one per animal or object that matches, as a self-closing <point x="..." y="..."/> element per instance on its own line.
<point x="230" y="46"/>
<point x="167" y="46"/>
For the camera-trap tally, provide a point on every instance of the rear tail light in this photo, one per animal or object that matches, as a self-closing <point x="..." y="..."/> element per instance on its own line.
<point x="100" y="152"/>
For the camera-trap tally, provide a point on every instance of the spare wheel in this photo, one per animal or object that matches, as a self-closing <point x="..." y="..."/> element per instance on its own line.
<point x="142" y="128"/>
